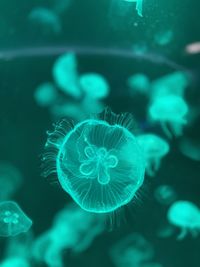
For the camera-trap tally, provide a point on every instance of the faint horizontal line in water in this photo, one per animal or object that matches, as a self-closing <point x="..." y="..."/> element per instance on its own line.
<point x="45" y="51"/>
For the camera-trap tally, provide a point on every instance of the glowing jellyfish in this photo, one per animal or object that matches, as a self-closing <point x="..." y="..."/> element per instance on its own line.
<point x="139" y="6"/>
<point x="45" y="94"/>
<point x="10" y="180"/>
<point x="98" y="155"/>
<point x="163" y="38"/>
<point x="186" y="216"/>
<point x="13" y="221"/>
<point x="138" y="83"/>
<point x="46" y="20"/>
<point x="190" y="148"/>
<point x="174" y="83"/>
<point x="66" y="76"/>
<point x="165" y="194"/>
<point x="14" y="262"/>
<point x="170" y="111"/>
<point x="155" y="148"/>
<point x="133" y="250"/>
<point x="94" y="85"/>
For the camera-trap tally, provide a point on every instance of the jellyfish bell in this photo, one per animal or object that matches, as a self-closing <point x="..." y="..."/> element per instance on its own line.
<point x="139" y="6"/>
<point x="98" y="161"/>
<point x="171" y="111"/>
<point x="154" y="149"/>
<point x="186" y="216"/>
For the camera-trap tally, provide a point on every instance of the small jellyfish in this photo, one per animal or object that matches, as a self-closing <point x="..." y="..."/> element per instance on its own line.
<point x="165" y="194"/>
<point x="164" y="37"/>
<point x="133" y="250"/>
<point x="66" y="76"/>
<point x="46" y="20"/>
<point x="10" y="180"/>
<point x="174" y="83"/>
<point x="13" y="221"/>
<point x="154" y="148"/>
<point x="94" y="85"/>
<point x="138" y="83"/>
<point x="186" y="216"/>
<point x="139" y="6"/>
<point x="45" y="94"/>
<point x="190" y="148"/>
<point x="170" y="111"/>
<point x="98" y="155"/>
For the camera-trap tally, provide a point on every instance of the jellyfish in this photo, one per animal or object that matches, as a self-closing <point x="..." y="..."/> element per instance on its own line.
<point x="45" y="94"/>
<point x="14" y="262"/>
<point x="190" y="148"/>
<point x="170" y="111"/>
<point x="133" y="250"/>
<point x="46" y="19"/>
<point x="66" y="76"/>
<point x="164" y="37"/>
<point x="139" y="6"/>
<point x="98" y="161"/>
<point x="165" y="194"/>
<point x="13" y="221"/>
<point x="94" y="85"/>
<point x="186" y="216"/>
<point x="138" y="83"/>
<point x="155" y="148"/>
<point x="174" y="83"/>
<point x="10" y="180"/>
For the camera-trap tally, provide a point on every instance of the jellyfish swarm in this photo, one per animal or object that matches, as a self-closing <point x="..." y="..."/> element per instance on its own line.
<point x="186" y="216"/>
<point x="13" y="221"/>
<point x="154" y="148"/>
<point x="170" y="111"/>
<point x="139" y="7"/>
<point x="98" y="161"/>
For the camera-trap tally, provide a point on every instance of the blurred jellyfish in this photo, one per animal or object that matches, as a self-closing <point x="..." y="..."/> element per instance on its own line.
<point x="186" y="216"/>
<point x="170" y="111"/>
<point x="66" y="76"/>
<point x="138" y="83"/>
<point x="139" y="6"/>
<point x="94" y="85"/>
<point x="133" y="250"/>
<point x="163" y="38"/>
<point x="46" y="20"/>
<point x="14" y="262"/>
<point x="155" y="148"/>
<point x="165" y="194"/>
<point x="174" y="83"/>
<point x="190" y="148"/>
<point x="98" y="155"/>
<point x="13" y="221"/>
<point x="10" y="180"/>
<point x="45" y="94"/>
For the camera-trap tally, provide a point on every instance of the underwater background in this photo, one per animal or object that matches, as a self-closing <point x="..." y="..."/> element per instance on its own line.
<point x="110" y="38"/>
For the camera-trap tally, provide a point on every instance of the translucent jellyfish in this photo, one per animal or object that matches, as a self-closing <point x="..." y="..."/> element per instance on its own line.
<point x="45" y="94"/>
<point x="66" y="76"/>
<point x="10" y="180"/>
<point x="46" y="20"/>
<point x="138" y="83"/>
<point x="186" y="216"/>
<point x="13" y="221"/>
<point x="14" y="262"/>
<point x="165" y="194"/>
<point x="190" y="148"/>
<point x="133" y="250"/>
<point x="170" y="111"/>
<point x="92" y="156"/>
<point x="94" y="85"/>
<point x="174" y="83"/>
<point x="155" y="148"/>
<point x="139" y="6"/>
<point x="164" y="37"/>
